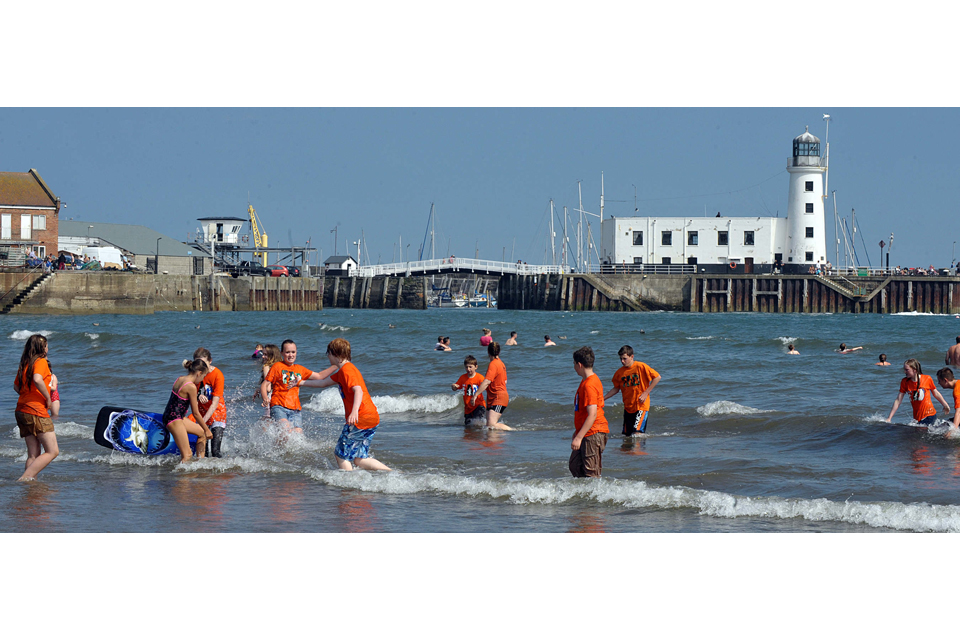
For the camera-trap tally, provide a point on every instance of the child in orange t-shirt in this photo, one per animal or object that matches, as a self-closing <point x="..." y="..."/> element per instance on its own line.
<point x="495" y="382"/>
<point x="590" y="425"/>
<point x="920" y="388"/>
<point x="947" y="381"/>
<point x="211" y="401"/>
<point x="284" y="379"/>
<point x="635" y="380"/>
<point x="34" y="405"/>
<point x="361" y="415"/>
<point x="474" y="409"/>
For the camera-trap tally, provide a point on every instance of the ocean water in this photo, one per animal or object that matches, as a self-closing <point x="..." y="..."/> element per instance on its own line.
<point x="741" y="438"/>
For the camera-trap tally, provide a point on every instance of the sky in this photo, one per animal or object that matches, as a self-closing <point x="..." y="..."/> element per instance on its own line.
<point x="362" y="117"/>
<point x="489" y="172"/>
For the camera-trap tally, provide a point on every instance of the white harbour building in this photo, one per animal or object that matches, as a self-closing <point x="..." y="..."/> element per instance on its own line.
<point x="794" y="244"/>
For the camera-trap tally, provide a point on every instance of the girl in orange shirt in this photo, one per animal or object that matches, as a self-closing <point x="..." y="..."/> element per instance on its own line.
<point x="920" y="388"/>
<point x="33" y="407"/>
<point x="497" y="397"/>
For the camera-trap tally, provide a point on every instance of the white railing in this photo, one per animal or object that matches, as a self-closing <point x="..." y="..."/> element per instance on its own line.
<point x="416" y="267"/>
<point x="658" y="269"/>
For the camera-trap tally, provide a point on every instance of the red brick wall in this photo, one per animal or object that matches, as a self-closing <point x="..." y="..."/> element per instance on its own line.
<point x="47" y="237"/>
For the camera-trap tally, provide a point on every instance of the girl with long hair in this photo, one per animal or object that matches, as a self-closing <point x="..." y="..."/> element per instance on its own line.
<point x="34" y="404"/>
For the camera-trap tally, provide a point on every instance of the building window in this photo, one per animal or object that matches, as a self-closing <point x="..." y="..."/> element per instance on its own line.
<point x="809" y="257"/>
<point x="40" y="223"/>
<point x="809" y="232"/>
<point x="41" y="251"/>
<point x="638" y="238"/>
<point x="666" y="238"/>
<point x="692" y="238"/>
<point x="808" y="185"/>
<point x="6" y="232"/>
<point x="25" y="226"/>
<point x="809" y="207"/>
<point x="748" y="238"/>
<point x="691" y="260"/>
<point x="722" y="238"/>
<point x="665" y="260"/>
<point x="638" y="261"/>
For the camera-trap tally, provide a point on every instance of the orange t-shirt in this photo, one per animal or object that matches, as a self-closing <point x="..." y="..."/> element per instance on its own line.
<point x="285" y="381"/>
<point x="921" y="408"/>
<point x="470" y="386"/>
<point x="956" y="395"/>
<point x="632" y="381"/>
<point x="31" y="400"/>
<point x="212" y="387"/>
<point x="347" y="378"/>
<point x="589" y="392"/>
<point x="497" y="391"/>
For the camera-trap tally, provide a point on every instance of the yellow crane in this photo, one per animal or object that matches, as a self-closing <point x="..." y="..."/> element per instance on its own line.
<point x="260" y="241"/>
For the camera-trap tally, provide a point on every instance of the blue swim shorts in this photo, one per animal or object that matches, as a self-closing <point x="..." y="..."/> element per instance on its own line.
<point x="290" y="415"/>
<point x="354" y="443"/>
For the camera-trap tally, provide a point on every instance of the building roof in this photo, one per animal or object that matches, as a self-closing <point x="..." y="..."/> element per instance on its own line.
<point x="25" y="189"/>
<point x="211" y="218"/>
<point x="135" y="238"/>
<point x="337" y="259"/>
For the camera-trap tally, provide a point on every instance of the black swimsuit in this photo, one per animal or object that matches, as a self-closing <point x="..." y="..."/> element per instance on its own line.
<point x="177" y="407"/>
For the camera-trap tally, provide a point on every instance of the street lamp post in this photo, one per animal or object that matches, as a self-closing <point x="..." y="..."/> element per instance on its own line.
<point x="156" y="259"/>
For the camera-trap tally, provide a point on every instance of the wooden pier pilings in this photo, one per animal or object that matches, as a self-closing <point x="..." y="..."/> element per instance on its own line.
<point x="706" y="293"/>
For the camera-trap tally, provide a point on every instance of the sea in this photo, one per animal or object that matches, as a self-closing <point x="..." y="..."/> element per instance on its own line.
<point x="742" y="437"/>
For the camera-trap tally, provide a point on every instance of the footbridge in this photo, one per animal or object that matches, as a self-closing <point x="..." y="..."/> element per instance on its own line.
<point x="454" y="265"/>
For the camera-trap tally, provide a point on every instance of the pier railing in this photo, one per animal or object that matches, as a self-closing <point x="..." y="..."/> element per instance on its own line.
<point x="441" y="265"/>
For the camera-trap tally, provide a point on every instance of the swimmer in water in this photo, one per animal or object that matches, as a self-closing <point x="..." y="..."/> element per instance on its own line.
<point x="547" y="342"/>
<point x="791" y="351"/>
<point x="883" y="361"/>
<point x="512" y="340"/>
<point x="922" y="391"/>
<point x="843" y="349"/>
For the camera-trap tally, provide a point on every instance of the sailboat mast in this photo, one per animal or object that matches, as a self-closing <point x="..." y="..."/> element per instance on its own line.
<point x="553" y="242"/>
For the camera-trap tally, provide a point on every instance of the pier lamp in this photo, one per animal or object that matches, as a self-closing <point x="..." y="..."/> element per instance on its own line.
<point x="156" y="259"/>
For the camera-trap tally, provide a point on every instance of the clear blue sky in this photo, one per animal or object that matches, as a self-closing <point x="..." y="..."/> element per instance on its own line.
<point x="366" y="114"/>
<point x="489" y="171"/>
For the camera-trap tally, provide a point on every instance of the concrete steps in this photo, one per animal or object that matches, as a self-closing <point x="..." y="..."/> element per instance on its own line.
<point x="27" y="293"/>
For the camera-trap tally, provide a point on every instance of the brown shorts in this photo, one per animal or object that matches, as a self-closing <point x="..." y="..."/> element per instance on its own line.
<point x="586" y="462"/>
<point x="31" y="425"/>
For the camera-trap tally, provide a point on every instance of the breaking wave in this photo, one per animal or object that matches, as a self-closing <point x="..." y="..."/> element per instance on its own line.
<point x="638" y="494"/>
<point x="330" y="402"/>
<point x="725" y="407"/>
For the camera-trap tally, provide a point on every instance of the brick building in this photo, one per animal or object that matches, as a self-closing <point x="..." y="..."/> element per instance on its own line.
<point x="29" y="213"/>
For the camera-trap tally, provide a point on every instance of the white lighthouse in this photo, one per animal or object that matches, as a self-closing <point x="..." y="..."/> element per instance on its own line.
<point x="730" y="244"/>
<point x="805" y="242"/>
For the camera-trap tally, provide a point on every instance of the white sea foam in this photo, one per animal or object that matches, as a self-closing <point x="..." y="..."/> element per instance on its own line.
<point x="330" y="402"/>
<point x="725" y="407"/>
<point x="638" y="494"/>
<point x="919" y="313"/>
<point x="593" y="333"/>
<point x="332" y="327"/>
<point x="70" y="429"/>
<point x="23" y="334"/>
<point x="700" y="338"/>
<point x="786" y="340"/>
<point x="92" y="336"/>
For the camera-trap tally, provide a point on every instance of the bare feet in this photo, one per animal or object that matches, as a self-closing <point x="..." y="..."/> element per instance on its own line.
<point x="500" y="426"/>
<point x="25" y="479"/>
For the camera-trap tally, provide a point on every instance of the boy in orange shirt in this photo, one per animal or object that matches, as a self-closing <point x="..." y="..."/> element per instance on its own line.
<point x="590" y="425"/>
<point x="635" y="380"/>
<point x="474" y="408"/>
<point x="362" y="417"/>
<point x="947" y="381"/>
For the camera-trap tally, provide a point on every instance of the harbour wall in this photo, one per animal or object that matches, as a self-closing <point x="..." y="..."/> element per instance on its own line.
<point x="80" y="292"/>
<point x="706" y="293"/>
